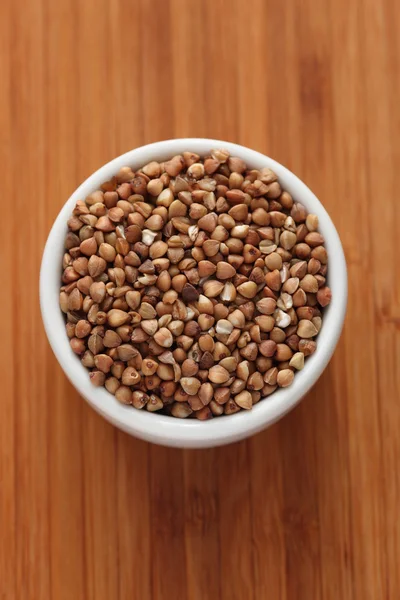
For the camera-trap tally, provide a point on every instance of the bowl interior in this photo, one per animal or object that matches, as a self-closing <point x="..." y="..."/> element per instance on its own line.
<point x="169" y="430"/>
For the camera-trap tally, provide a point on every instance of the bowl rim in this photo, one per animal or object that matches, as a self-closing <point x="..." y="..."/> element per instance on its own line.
<point x="162" y="429"/>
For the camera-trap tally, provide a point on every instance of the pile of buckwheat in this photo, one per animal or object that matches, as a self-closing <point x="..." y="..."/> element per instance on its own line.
<point x="193" y="286"/>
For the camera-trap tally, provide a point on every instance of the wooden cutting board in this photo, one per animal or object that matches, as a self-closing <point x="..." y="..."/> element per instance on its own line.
<point x="308" y="510"/>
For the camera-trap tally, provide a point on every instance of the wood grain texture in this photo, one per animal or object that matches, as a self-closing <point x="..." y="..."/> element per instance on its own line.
<point x="308" y="510"/>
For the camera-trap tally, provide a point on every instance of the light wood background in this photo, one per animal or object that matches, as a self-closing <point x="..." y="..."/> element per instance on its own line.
<point x="308" y="510"/>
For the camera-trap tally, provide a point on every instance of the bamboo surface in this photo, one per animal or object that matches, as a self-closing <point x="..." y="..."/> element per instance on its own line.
<point x="307" y="510"/>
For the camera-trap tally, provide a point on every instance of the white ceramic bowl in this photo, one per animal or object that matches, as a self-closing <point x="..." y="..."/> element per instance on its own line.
<point x="191" y="433"/>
